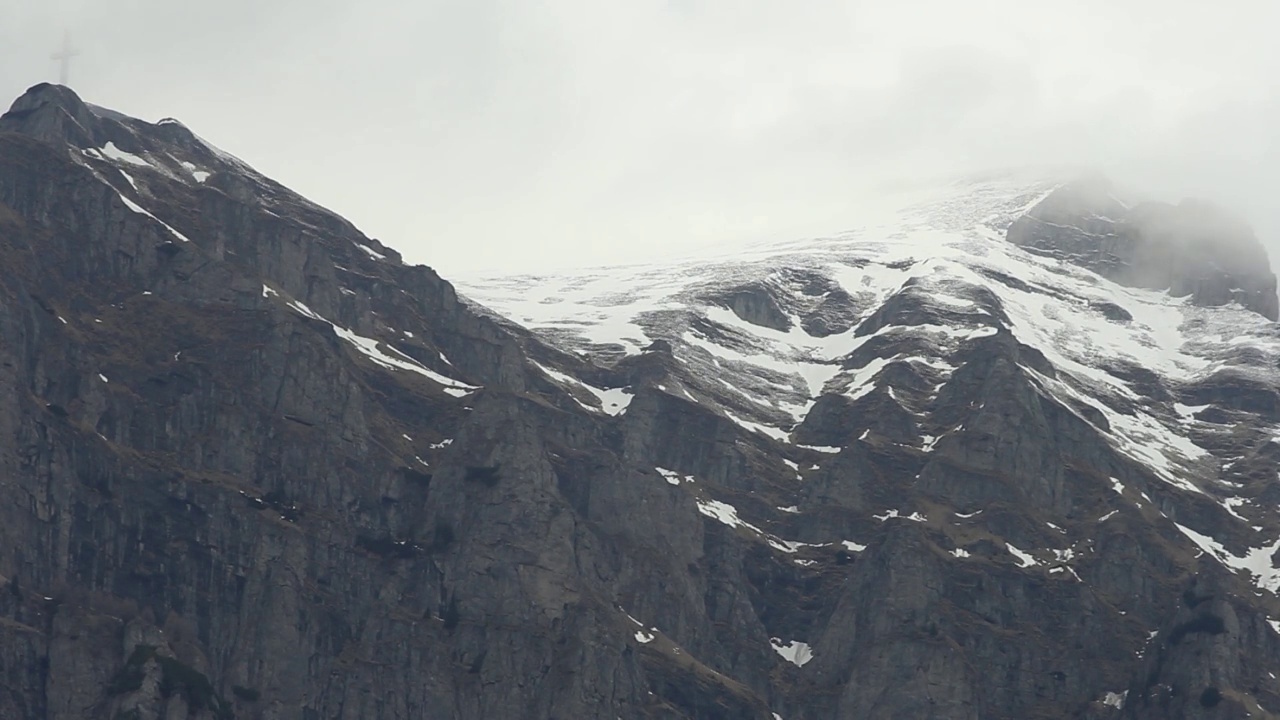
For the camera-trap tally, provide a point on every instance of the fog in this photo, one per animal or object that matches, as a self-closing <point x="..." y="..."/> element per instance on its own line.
<point x="505" y="136"/>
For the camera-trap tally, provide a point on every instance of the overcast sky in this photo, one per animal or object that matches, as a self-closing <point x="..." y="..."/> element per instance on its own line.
<point x="511" y="135"/>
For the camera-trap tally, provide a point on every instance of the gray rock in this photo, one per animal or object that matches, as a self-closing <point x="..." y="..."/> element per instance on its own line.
<point x="214" y="503"/>
<point x="1190" y="249"/>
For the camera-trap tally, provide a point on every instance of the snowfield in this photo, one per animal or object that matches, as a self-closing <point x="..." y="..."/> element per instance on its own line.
<point x="941" y="248"/>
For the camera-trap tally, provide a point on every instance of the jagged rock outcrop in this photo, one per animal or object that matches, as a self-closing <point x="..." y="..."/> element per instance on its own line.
<point x="755" y="304"/>
<point x="254" y="465"/>
<point x="1191" y="249"/>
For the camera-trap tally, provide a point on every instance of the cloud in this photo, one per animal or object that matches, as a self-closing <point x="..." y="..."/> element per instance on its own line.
<point x="499" y="134"/>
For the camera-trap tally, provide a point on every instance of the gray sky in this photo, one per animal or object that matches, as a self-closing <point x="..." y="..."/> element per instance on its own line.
<point x="514" y="135"/>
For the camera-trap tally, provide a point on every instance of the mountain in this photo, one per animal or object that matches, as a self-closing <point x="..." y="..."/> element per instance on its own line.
<point x="1008" y="449"/>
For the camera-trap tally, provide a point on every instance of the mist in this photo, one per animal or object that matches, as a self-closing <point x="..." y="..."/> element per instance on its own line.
<point x="487" y="136"/>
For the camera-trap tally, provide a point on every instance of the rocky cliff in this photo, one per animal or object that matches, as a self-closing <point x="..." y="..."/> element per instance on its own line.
<point x="254" y="465"/>
<point x="1191" y="249"/>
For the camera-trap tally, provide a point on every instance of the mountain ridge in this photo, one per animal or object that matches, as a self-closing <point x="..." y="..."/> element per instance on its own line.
<point x="881" y="482"/>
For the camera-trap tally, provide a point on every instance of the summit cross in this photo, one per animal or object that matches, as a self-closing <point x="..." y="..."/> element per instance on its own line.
<point x="63" y="57"/>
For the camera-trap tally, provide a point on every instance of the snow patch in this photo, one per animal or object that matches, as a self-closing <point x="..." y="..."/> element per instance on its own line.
<point x="672" y="476"/>
<point x="1257" y="561"/>
<point x="1187" y="412"/>
<point x="861" y="381"/>
<point x="891" y="514"/>
<point x="199" y="175"/>
<point x="114" y="153"/>
<point x="613" y="401"/>
<point x="765" y="430"/>
<point x="369" y="347"/>
<point x="1024" y="559"/>
<point x="371" y="252"/>
<point x="143" y="211"/>
<point x="728" y="515"/>
<point x="725" y="513"/>
<point x="795" y="652"/>
<point x="129" y="178"/>
<point x="1232" y="503"/>
<point x="822" y="449"/>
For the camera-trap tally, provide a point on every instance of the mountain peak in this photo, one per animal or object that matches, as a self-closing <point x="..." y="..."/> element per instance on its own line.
<point x="45" y="92"/>
<point x="53" y="113"/>
<point x="1192" y="249"/>
<point x="260" y="463"/>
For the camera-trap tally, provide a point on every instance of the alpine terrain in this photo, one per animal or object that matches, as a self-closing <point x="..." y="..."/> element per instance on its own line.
<point x="1006" y="450"/>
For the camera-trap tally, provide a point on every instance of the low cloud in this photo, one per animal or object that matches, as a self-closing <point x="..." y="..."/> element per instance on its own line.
<point x="507" y="135"/>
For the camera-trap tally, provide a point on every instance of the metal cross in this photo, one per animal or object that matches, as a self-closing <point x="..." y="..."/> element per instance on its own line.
<point x="63" y="57"/>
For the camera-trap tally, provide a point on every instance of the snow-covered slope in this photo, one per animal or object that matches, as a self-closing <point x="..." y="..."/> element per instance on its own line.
<point x="943" y="251"/>
<point x="763" y="333"/>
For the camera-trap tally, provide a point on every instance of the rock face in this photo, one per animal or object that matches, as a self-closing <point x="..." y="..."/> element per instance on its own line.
<point x="253" y="465"/>
<point x="1191" y="249"/>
